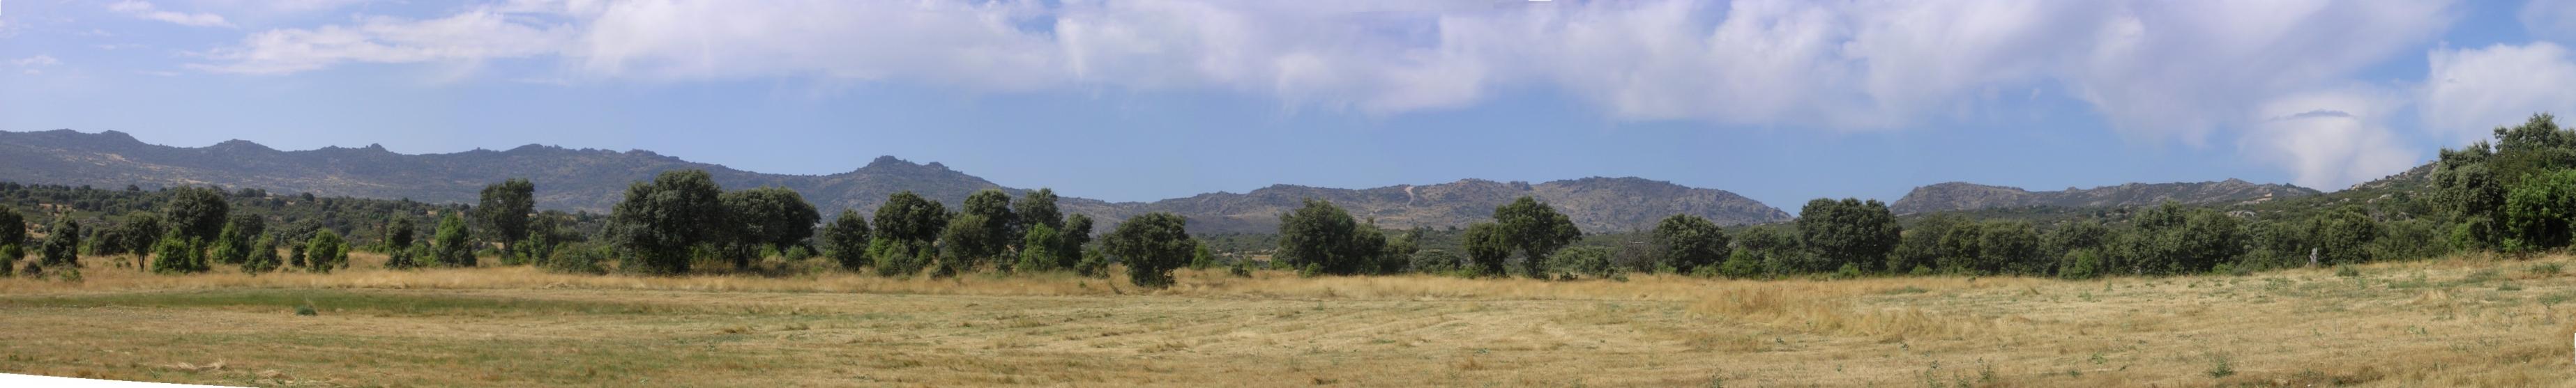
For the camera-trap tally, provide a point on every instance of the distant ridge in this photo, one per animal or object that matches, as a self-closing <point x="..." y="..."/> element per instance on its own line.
<point x="594" y="179"/>
<point x="1956" y="196"/>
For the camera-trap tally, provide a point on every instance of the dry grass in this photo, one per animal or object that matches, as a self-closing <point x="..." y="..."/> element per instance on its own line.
<point x="2468" y="321"/>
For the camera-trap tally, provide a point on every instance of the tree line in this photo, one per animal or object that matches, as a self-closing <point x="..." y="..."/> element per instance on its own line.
<point x="2515" y="194"/>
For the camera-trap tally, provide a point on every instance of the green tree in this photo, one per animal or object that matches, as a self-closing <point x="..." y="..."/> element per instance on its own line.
<point x="263" y="256"/>
<point x="62" y="243"/>
<point x="398" y="242"/>
<point x="2471" y="183"/>
<point x="197" y="213"/>
<point x="1400" y="250"/>
<point x="1038" y="249"/>
<point x="1488" y="247"/>
<point x="1688" y="242"/>
<point x="505" y="210"/>
<point x="1320" y="237"/>
<point x="1037" y="207"/>
<point x="1919" y="245"/>
<point x="136" y="234"/>
<point x="13" y="228"/>
<point x="323" y="253"/>
<point x="233" y="244"/>
<point x="845" y="240"/>
<point x="1850" y="231"/>
<point x="1075" y="235"/>
<point x="2536" y="211"/>
<point x="453" y="245"/>
<point x="2010" y="247"/>
<point x="1535" y="230"/>
<point x="659" y="222"/>
<point x="993" y="230"/>
<point x="1151" y="245"/>
<point x="1588" y="261"/>
<point x="960" y="244"/>
<point x="2347" y="237"/>
<point x="2172" y="240"/>
<point x="178" y="255"/>
<point x="906" y="217"/>
<point x="767" y="218"/>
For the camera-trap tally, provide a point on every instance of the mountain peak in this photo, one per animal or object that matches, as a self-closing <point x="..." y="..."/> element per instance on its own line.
<point x="239" y="145"/>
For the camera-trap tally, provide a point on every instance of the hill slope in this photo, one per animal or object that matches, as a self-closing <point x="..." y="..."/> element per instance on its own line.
<point x="593" y="180"/>
<point x="1954" y="196"/>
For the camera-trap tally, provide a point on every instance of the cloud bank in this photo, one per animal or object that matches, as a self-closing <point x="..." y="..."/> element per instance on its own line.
<point x="2167" y="71"/>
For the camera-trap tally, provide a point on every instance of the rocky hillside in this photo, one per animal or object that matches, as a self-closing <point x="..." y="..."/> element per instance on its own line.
<point x="1969" y="196"/>
<point x="593" y="180"/>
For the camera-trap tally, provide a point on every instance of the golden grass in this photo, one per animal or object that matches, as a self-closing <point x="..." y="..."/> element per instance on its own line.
<point x="2467" y="321"/>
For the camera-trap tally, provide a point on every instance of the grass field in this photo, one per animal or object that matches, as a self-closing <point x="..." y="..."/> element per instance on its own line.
<point x="2469" y="321"/>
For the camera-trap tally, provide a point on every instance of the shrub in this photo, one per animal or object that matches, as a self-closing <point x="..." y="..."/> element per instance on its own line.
<point x="178" y="255"/>
<point x="575" y="259"/>
<point x="263" y="256"/>
<point x="1740" y="265"/>
<point x="1151" y="245"/>
<point x="1589" y="261"/>
<point x="2082" y="264"/>
<point x="325" y="252"/>
<point x="9" y="255"/>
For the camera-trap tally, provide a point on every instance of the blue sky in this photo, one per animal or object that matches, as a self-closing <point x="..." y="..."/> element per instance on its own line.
<point x="1144" y="100"/>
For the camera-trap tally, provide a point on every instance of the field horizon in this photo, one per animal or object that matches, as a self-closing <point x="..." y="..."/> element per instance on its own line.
<point x="2464" y="320"/>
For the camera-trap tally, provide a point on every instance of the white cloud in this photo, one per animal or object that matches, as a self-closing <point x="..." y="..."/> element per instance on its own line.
<point x="146" y="10"/>
<point x="2552" y="19"/>
<point x="471" y="36"/>
<point x="2330" y="139"/>
<point x="2161" y="70"/>
<point x="35" y="64"/>
<point x="2469" y="92"/>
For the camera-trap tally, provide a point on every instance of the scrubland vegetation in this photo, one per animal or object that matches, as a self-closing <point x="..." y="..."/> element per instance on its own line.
<point x="2457" y="281"/>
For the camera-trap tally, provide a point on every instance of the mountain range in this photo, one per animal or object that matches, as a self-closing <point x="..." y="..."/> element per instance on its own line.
<point x="593" y="180"/>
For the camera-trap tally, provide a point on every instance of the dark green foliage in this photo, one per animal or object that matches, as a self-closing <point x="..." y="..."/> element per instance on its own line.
<point x="2085" y="263"/>
<point x="263" y="256"/>
<point x="547" y="231"/>
<point x="2169" y="239"/>
<point x="1398" y="257"/>
<point x="992" y="232"/>
<point x="225" y="251"/>
<point x="1431" y="261"/>
<point x="2537" y="211"/>
<point x="1688" y="242"/>
<point x="323" y="253"/>
<point x="2348" y="237"/>
<point x="1777" y="251"/>
<point x="1535" y="230"/>
<point x="1849" y="231"/>
<point x="1920" y="245"/>
<point x="907" y="217"/>
<point x="233" y="245"/>
<point x="1740" y="265"/>
<point x="1488" y="248"/>
<point x="1320" y="237"/>
<point x="1151" y="245"/>
<point x="1587" y="261"/>
<point x="398" y="244"/>
<point x="196" y="213"/>
<point x="9" y="256"/>
<point x="13" y="227"/>
<point x="135" y="234"/>
<point x="576" y="259"/>
<point x="62" y="243"/>
<point x="2471" y="184"/>
<point x="178" y="254"/>
<point x="961" y="245"/>
<point x="773" y="216"/>
<point x="505" y="210"/>
<point x="898" y="257"/>
<point x="845" y="240"/>
<point x="1075" y="235"/>
<point x="295" y="254"/>
<point x="2010" y="247"/>
<point x="453" y="245"/>
<point x="659" y="222"/>
<point x="1037" y="249"/>
<point x="1037" y="207"/>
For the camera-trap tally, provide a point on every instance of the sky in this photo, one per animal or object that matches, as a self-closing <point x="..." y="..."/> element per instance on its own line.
<point x="1781" y="101"/>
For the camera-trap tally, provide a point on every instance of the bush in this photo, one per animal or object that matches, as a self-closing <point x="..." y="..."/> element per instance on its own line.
<point x="1740" y="265"/>
<point x="263" y="257"/>
<point x="178" y="255"/>
<point x="325" y="252"/>
<point x="1588" y="261"/>
<point x="2082" y="264"/>
<point x="1151" y="245"/>
<point x="575" y="259"/>
<point x="1427" y="261"/>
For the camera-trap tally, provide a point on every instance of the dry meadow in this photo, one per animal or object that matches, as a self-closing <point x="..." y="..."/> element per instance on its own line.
<point x="2464" y="321"/>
